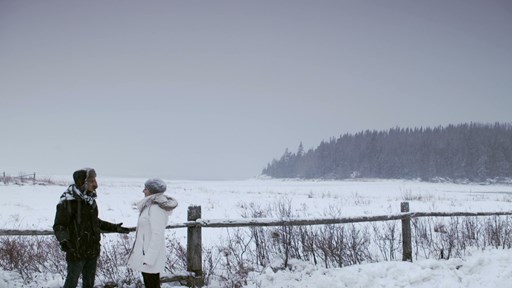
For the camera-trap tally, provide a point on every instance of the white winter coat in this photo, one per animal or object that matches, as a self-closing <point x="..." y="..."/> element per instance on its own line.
<point x="148" y="252"/>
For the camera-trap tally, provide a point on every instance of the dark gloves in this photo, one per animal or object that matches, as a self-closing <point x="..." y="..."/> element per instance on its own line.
<point x="66" y="246"/>
<point x="121" y="229"/>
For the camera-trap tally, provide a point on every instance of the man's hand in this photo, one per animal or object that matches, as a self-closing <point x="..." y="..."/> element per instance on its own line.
<point x="121" y="229"/>
<point x="65" y="246"/>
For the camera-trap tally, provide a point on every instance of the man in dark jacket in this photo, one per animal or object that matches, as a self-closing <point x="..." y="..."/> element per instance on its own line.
<point x="77" y="228"/>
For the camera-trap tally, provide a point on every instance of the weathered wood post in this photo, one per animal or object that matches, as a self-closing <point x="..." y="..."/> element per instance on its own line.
<point x="194" y="247"/>
<point x="406" y="233"/>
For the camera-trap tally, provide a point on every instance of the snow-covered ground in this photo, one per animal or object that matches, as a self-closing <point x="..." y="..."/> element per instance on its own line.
<point x="33" y="207"/>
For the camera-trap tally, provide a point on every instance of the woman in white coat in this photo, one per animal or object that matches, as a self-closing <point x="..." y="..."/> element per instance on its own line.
<point x="148" y="252"/>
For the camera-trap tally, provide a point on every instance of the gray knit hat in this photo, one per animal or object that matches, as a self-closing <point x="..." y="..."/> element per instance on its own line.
<point x="155" y="185"/>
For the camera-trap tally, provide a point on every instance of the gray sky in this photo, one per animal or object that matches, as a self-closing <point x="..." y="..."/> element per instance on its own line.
<point x="217" y="89"/>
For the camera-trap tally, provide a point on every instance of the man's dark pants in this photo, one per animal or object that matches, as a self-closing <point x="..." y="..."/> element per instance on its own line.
<point x="85" y="267"/>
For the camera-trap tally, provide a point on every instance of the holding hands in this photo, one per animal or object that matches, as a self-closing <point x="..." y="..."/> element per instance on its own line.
<point x="121" y="229"/>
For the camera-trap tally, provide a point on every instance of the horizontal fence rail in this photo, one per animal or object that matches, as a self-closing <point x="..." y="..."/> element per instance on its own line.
<point x="226" y="223"/>
<point x="267" y="222"/>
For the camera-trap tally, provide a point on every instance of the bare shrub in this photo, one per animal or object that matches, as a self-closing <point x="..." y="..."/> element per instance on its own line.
<point x="238" y="259"/>
<point x="27" y="178"/>
<point x="7" y="179"/>
<point x="307" y="236"/>
<point x="176" y="255"/>
<point x="437" y="238"/>
<point x="258" y="233"/>
<point x="211" y="263"/>
<point x="36" y="257"/>
<point x="15" y="256"/>
<point x="359" y="243"/>
<point x="451" y="237"/>
<point x="49" y="181"/>
<point x="470" y="232"/>
<point x="246" y="250"/>
<point x="31" y="256"/>
<point x="111" y="267"/>
<point x="330" y="245"/>
<point x="448" y="238"/>
<point x="386" y="238"/>
<point x="54" y="260"/>
<point x="497" y="231"/>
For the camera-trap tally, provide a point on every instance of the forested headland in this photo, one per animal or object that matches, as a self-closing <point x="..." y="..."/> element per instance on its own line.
<point x="471" y="151"/>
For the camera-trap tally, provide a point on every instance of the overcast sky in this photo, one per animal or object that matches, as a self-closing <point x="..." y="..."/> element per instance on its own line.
<point x="217" y="89"/>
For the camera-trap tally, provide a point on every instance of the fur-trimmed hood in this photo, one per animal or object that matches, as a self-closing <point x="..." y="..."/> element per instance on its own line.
<point x="163" y="201"/>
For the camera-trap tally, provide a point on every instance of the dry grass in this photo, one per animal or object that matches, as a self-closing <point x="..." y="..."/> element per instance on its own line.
<point x="253" y="249"/>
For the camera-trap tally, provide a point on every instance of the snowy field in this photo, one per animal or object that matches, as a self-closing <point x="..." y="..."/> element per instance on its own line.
<point x="33" y="207"/>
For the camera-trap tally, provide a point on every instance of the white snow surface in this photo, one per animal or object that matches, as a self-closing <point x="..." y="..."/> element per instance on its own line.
<point x="33" y="207"/>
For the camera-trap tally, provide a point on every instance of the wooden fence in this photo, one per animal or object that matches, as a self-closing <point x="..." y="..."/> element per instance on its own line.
<point x="195" y="223"/>
<point x="21" y="178"/>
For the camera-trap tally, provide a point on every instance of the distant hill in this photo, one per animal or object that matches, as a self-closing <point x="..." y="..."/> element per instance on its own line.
<point x="471" y="151"/>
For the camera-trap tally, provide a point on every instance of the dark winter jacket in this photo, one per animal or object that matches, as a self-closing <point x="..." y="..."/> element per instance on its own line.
<point x="77" y="222"/>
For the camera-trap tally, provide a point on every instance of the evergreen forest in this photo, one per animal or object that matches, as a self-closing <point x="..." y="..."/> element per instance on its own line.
<point x="474" y="152"/>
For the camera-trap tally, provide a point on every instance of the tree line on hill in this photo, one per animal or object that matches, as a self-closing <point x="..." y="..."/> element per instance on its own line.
<point x="473" y="151"/>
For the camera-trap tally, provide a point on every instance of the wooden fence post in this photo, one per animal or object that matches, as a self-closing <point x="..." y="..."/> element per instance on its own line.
<point x="406" y="233"/>
<point x="194" y="247"/>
